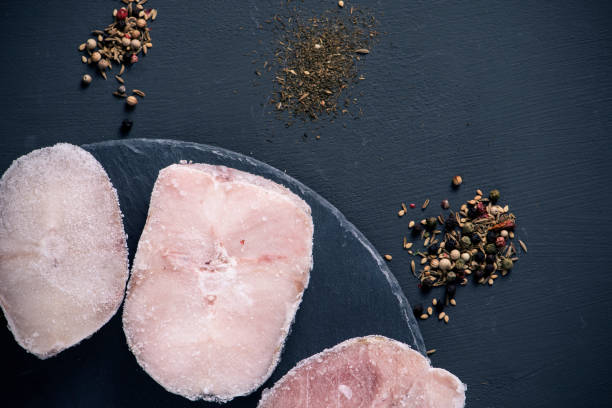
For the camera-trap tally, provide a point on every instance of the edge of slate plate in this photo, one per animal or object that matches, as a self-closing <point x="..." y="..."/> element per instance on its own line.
<point x="303" y="190"/>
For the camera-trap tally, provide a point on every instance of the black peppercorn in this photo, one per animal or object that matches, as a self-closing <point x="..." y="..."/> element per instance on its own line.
<point x="450" y="223"/>
<point x="449" y="245"/>
<point x="475" y="239"/>
<point x="478" y="275"/>
<point x="417" y="310"/>
<point x="427" y="284"/>
<point x="473" y="212"/>
<point x="489" y="269"/>
<point x="417" y="229"/>
<point x="479" y="257"/>
<point x="126" y="125"/>
<point x="490" y="259"/>
<point x="491" y="236"/>
<point x="433" y="249"/>
<point x="439" y="306"/>
<point x="450" y="290"/>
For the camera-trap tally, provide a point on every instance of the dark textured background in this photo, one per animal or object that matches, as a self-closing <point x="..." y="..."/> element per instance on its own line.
<point x="514" y="95"/>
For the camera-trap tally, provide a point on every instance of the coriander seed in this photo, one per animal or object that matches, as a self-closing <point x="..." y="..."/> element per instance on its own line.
<point x="131" y="100"/>
<point x="121" y="89"/>
<point x="91" y="44"/>
<point x="96" y="56"/>
<point x="141" y="23"/>
<point x="103" y="64"/>
<point x="135" y="44"/>
<point x="86" y="79"/>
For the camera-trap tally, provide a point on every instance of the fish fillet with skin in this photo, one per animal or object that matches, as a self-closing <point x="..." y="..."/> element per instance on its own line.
<point x="366" y="372"/>
<point x="63" y="253"/>
<point x="218" y="276"/>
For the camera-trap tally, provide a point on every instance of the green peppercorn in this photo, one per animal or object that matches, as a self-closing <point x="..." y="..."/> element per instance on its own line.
<point x="451" y="276"/>
<point x="507" y="264"/>
<point x="460" y="264"/>
<point x="466" y="242"/>
<point x="468" y="228"/>
<point x="494" y="195"/>
<point x="490" y="249"/>
<point x="432" y="222"/>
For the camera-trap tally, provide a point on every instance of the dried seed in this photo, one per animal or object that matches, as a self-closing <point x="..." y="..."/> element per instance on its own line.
<point x="411" y="224"/>
<point x="471" y="202"/>
<point x="122" y="70"/>
<point x="424" y="316"/>
<point x="119" y="79"/>
<point x="434" y="301"/>
<point x="408" y="245"/>
<point x="84" y="59"/>
<point x="423" y="261"/>
<point x="425" y="204"/>
<point x="401" y="213"/>
<point x="139" y="92"/>
<point x="446" y="319"/>
<point x="362" y="51"/>
<point x="103" y="75"/>
<point x="522" y="244"/>
<point x="477" y="198"/>
<point x="511" y="235"/>
<point x="412" y="266"/>
<point x="404" y="207"/>
<point x="82" y="47"/>
<point x="491" y="282"/>
<point x="429" y="310"/>
<point x="426" y="243"/>
<point x="453" y="302"/>
<point x="494" y="276"/>
<point x="430" y="352"/>
<point x="479" y="192"/>
<point x="340" y="3"/>
<point x="388" y="257"/>
<point x="441" y="316"/>
<point x="423" y="222"/>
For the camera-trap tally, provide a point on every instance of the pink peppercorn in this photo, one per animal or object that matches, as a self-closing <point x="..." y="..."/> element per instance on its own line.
<point x="500" y="241"/>
<point x="134" y="59"/>
<point x="412" y="205"/>
<point x="122" y="14"/>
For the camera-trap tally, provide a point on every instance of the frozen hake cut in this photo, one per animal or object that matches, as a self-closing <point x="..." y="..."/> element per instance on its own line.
<point x="63" y="253"/>
<point x="218" y="276"/>
<point x="366" y="372"/>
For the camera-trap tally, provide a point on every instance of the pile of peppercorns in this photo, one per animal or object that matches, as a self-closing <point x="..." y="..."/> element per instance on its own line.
<point x="121" y="42"/>
<point x="475" y="241"/>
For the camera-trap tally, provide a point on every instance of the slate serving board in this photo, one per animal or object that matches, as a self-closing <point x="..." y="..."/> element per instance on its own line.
<point x="351" y="293"/>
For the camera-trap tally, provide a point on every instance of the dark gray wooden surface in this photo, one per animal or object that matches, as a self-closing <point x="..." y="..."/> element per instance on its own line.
<point x="514" y="95"/>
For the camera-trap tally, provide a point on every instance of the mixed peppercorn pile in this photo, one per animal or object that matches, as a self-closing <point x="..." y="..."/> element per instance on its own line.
<point x="475" y="241"/>
<point x="121" y="42"/>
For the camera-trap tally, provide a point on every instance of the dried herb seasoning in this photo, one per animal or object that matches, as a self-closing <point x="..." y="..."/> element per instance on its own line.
<point x="121" y="42"/>
<point x="315" y="60"/>
<point x="476" y="241"/>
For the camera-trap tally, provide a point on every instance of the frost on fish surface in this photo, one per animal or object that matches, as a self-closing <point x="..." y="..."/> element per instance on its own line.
<point x="366" y="372"/>
<point x="219" y="273"/>
<point x="63" y="253"/>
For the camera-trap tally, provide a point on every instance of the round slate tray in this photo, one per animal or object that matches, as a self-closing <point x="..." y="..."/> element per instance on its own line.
<point x="351" y="293"/>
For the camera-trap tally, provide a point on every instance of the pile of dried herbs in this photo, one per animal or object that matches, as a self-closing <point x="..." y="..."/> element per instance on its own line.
<point x="316" y="59"/>
<point x="476" y="242"/>
<point x="121" y="42"/>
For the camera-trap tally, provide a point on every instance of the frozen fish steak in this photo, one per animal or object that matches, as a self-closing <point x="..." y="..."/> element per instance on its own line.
<point x="218" y="276"/>
<point x="366" y="372"/>
<point x="63" y="253"/>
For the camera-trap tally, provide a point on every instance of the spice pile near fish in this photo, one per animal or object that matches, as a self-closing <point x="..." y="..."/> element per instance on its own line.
<point x="476" y="241"/>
